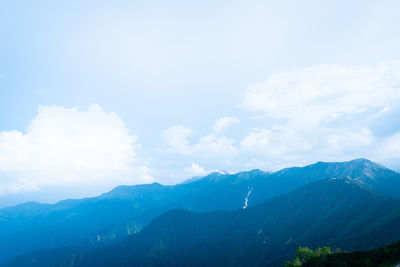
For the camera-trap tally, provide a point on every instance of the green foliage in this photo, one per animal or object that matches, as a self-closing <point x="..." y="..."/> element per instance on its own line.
<point x="383" y="257"/>
<point x="305" y="254"/>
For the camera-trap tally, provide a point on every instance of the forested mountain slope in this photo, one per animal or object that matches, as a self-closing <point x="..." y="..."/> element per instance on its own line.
<point x="87" y="224"/>
<point x="336" y="212"/>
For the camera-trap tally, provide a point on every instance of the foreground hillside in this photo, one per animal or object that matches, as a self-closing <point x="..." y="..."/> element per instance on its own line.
<point x="338" y="212"/>
<point x="86" y="224"/>
<point x="382" y="257"/>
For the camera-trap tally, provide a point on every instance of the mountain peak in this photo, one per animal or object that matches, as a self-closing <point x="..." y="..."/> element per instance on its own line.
<point x="366" y="162"/>
<point x="355" y="164"/>
<point x="127" y="191"/>
<point x="361" y="160"/>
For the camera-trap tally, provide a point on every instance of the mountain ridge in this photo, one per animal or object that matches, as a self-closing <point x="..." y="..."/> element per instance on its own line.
<point x="21" y="230"/>
<point x="210" y="176"/>
<point x="263" y="235"/>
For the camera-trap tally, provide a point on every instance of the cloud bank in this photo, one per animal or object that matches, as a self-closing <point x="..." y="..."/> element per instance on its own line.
<point x="194" y="170"/>
<point x="327" y="112"/>
<point x="210" y="145"/>
<point x="65" y="146"/>
<point x="325" y="93"/>
<point x="224" y="124"/>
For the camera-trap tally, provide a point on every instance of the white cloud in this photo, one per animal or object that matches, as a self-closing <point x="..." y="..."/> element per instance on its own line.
<point x="195" y="170"/>
<point x="390" y="146"/>
<point x="256" y="140"/>
<point x="349" y="141"/>
<point x="65" y="146"/>
<point x="327" y="112"/>
<point x="323" y="112"/>
<point x="276" y="143"/>
<point x="177" y="139"/>
<point x="326" y="92"/>
<point x="224" y="123"/>
<point x="222" y="146"/>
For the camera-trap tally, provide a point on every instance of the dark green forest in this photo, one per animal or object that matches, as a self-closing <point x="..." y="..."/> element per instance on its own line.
<point x="386" y="256"/>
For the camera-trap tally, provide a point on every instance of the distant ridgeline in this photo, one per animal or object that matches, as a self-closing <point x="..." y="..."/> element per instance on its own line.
<point x="246" y="219"/>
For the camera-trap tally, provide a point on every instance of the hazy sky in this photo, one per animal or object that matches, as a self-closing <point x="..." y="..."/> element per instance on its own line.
<point x="99" y="93"/>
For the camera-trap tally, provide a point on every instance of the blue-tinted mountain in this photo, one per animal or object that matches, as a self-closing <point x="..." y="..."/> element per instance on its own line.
<point x="341" y="213"/>
<point x="95" y="222"/>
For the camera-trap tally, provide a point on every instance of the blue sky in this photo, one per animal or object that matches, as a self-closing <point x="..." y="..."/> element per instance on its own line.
<point x="99" y="93"/>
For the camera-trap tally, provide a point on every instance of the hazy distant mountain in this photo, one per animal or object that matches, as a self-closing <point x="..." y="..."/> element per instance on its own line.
<point x="95" y="222"/>
<point x="337" y="212"/>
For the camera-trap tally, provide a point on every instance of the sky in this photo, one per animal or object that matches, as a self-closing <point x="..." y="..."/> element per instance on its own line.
<point x="94" y="94"/>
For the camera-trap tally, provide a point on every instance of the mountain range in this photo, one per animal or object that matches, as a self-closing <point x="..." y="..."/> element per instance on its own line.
<point x="259" y="215"/>
<point x="336" y="212"/>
